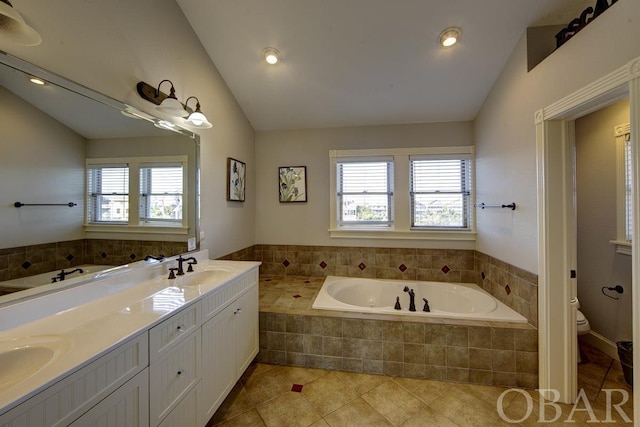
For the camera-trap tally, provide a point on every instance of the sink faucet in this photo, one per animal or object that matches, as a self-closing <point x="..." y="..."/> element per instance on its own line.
<point x="157" y="258"/>
<point x="190" y="261"/>
<point x="412" y="298"/>
<point x="63" y="274"/>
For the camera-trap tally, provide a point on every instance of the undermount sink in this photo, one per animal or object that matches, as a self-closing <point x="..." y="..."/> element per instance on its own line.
<point x="23" y="357"/>
<point x="203" y="277"/>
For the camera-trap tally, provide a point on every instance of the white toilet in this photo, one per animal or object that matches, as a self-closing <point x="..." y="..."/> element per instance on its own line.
<point x="582" y="327"/>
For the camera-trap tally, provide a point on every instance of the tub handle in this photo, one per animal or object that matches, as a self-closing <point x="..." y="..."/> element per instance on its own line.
<point x="397" y="306"/>
<point x="426" y="305"/>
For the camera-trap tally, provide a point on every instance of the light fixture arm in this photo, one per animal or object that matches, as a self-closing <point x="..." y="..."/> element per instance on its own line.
<point x="172" y="91"/>
<point x="154" y="95"/>
<point x="186" y="103"/>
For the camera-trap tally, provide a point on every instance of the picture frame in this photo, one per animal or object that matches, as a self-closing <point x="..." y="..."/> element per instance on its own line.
<point x="236" y="180"/>
<point x="292" y="184"/>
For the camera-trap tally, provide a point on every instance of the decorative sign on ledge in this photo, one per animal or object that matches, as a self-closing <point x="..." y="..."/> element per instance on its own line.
<point x="586" y="17"/>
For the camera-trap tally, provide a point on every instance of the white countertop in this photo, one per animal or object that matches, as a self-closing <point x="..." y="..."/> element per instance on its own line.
<point x="116" y="309"/>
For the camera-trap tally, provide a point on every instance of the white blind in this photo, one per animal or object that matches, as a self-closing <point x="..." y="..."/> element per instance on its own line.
<point x="161" y="190"/>
<point x="440" y="192"/>
<point x="365" y="191"/>
<point x="108" y="188"/>
<point x="628" y="181"/>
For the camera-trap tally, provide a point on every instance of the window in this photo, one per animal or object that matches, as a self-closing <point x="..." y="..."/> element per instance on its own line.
<point x="108" y="187"/>
<point x="365" y="192"/>
<point x="161" y="188"/>
<point x="136" y="193"/>
<point x="624" y="189"/>
<point x="440" y="191"/>
<point x="421" y="193"/>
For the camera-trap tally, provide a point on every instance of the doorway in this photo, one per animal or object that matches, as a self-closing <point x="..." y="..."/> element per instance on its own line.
<point x="555" y="133"/>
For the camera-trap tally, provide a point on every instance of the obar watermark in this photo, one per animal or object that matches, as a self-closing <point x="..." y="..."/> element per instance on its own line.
<point x="550" y="411"/>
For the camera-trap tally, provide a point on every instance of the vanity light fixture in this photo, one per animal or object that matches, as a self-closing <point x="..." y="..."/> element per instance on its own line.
<point x="167" y="104"/>
<point x="449" y="36"/>
<point x="13" y="27"/>
<point x="197" y="118"/>
<point x="271" y="55"/>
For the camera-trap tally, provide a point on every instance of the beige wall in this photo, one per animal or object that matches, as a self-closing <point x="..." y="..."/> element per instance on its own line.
<point x="308" y="223"/>
<point x="598" y="263"/>
<point x="504" y="131"/>
<point x="111" y="45"/>
<point x="58" y="177"/>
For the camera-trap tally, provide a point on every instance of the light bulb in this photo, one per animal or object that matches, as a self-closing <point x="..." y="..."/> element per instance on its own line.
<point x="271" y="55"/>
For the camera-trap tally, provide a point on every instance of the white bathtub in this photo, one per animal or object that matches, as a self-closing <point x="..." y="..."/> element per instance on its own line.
<point x="446" y="300"/>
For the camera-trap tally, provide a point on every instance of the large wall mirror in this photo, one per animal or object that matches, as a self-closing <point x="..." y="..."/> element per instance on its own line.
<point x="50" y="134"/>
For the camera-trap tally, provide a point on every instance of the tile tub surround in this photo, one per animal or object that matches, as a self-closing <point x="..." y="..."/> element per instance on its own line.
<point x="291" y="333"/>
<point x="25" y="261"/>
<point x="513" y="286"/>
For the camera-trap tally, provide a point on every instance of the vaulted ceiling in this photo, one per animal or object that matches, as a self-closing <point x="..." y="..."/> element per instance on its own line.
<point x="364" y="62"/>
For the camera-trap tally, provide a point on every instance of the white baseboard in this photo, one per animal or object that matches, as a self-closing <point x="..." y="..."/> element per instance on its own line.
<point x="603" y="344"/>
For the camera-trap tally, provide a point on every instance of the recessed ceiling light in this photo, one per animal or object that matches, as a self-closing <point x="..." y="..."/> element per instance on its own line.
<point x="37" y="81"/>
<point x="271" y="55"/>
<point x="449" y="36"/>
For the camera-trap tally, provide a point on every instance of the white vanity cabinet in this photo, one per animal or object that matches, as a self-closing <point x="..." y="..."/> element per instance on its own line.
<point x="229" y="340"/>
<point x="69" y="398"/>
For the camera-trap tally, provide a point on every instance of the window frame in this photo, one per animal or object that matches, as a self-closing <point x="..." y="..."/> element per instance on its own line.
<point x="466" y="190"/>
<point x="624" y="221"/>
<point x="135" y="224"/>
<point x="388" y="160"/>
<point x="401" y="228"/>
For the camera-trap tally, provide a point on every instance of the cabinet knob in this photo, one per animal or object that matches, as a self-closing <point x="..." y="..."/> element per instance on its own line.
<point x="180" y="372"/>
<point x="180" y="328"/>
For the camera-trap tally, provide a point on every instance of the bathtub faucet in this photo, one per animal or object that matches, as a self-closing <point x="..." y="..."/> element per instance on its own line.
<point x="63" y="274"/>
<point x="412" y="298"/>
<point x="426" y="305"/>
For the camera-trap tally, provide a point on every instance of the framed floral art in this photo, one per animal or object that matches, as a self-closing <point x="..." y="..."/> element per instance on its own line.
<point x="292" y="184"/>
<point x="236" y="176"/>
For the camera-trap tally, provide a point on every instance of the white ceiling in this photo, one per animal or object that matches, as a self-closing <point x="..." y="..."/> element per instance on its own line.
<point x="364" y="62"/>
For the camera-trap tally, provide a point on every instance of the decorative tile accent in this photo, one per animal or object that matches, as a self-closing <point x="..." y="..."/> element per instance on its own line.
<point x="483" y="275"/>
<point x="362" y="266"/>
<point x="307" y="281"/>
<point x="445" y="269"/>
<point x="132" y="256"/>
<point x="69" y="257"/>
<point x="323" y="265"/>
<point x="296" y="388"/>
<point x="103" y="255"/>
<point x="297" y="296"/>
<point x="507" y="289"/>
<point x="26" y="265"/>
<point x="403" y="268"/>
<point x="286" y="263"/>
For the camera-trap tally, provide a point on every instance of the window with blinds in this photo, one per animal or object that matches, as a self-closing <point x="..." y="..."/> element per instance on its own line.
<point x="440" y="192"/>
<point x="108" y="193"/>
<point x="628" y="188"/>
<point x="365" y="191"/>
<point x="161" y="188"/>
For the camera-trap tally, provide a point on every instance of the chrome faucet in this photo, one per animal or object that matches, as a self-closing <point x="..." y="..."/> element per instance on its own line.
<point x="412" y="298"/>
<point x="63" y="274"/>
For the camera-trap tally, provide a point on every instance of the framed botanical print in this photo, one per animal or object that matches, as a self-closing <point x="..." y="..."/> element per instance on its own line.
<point x="292" y="184"/>
<point x="236" y="178"/>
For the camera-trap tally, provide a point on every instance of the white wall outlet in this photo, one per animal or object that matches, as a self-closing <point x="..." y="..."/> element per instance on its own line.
<point x="201" y="235"/>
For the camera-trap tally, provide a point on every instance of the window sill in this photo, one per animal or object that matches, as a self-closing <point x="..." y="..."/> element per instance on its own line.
<point x="622" y="246"/>
<point x="141" y="229"/>
<point x="444" y="235"/>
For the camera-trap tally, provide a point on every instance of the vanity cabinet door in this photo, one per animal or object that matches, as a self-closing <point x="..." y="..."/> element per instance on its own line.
<point x="172" y="377"/>
<point x="128" y="406"/>
<point x="218" y="362"/>
<point x="246" y="330"/>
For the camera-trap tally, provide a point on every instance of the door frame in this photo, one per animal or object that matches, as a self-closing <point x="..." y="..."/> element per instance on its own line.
<point x="556" y="227"/>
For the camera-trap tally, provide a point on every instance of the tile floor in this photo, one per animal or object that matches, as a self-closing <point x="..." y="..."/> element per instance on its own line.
<point x="281" y="396"/>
